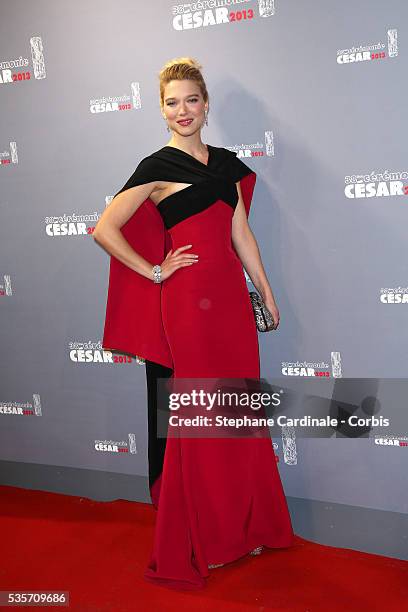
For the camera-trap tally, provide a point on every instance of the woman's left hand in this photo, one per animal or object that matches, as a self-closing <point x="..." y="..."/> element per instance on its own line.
<point x="273" y="309"/>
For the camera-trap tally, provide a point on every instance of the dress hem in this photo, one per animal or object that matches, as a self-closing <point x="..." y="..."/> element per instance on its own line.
<point x="176" y="584"/>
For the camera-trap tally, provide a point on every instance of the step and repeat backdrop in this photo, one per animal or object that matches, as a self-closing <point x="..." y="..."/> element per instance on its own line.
<point x="312" y="96"/>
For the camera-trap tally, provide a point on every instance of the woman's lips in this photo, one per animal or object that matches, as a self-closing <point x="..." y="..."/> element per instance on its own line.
<point x="185" y="121"/>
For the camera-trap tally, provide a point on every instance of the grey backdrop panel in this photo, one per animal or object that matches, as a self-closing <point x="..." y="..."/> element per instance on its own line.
<point x="276" y="88"/>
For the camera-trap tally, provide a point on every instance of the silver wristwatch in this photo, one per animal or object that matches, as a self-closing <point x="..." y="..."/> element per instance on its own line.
<point x="156" y="274"/>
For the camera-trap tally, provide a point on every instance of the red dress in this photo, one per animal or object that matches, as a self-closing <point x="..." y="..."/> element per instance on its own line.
<point x="217" y="498"/>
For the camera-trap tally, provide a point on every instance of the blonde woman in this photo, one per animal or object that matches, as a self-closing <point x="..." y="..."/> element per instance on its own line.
<point x="178" y="237"/>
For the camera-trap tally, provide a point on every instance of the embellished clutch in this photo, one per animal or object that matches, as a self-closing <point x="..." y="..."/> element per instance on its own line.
<point x="263" y="317"/>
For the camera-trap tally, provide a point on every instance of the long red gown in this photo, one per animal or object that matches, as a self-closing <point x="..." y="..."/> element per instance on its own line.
<point x="216" y="498"/>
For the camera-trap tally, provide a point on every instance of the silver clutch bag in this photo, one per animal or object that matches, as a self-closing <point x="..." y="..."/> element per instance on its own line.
<point x="263" y="317"/>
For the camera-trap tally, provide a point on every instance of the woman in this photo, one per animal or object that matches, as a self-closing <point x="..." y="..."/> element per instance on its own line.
<point x="178" y="237"/>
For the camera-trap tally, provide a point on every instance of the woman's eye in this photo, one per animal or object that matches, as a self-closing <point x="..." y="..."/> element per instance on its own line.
<point x="192" y="100"/>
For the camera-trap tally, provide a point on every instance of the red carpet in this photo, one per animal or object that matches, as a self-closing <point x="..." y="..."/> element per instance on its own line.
<point x="98" y="552"/>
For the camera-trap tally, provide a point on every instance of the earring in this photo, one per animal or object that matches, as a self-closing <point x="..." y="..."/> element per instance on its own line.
<point x="167" y="125"/>
<point x="206" y="117"/>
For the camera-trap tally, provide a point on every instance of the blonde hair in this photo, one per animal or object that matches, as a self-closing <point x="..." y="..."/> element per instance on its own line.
<point x="182" y="68"/>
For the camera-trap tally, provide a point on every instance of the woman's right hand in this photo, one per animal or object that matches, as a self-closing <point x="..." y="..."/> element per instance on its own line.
<point x="176" y="260"/>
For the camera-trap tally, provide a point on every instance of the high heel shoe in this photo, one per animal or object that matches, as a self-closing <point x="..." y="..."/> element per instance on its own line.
<point x="254" y="553"/>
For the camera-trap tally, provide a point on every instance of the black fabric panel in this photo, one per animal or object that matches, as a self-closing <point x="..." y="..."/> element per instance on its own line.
<point x="156" y="446"/>
<point x="191" y="200"/>
<point x="174" y="165"/>
<point x="237" y="168"/>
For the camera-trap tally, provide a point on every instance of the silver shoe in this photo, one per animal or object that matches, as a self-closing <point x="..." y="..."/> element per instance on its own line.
<point x="256" y="551"/>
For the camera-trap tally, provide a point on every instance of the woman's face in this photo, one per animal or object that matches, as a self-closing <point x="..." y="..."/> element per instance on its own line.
<point x="183" y="100"/>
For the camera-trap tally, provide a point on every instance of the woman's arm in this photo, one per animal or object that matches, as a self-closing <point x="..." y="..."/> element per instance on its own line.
<point x="247" y="249"/>
<point x="107" y="231"/>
